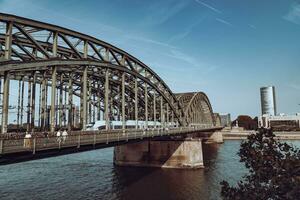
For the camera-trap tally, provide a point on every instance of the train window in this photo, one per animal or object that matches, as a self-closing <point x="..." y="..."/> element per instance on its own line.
<point x="102" y="127"/>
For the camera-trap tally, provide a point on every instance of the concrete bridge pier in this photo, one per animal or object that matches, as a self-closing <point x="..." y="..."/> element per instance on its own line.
<point x="173" y="153"/>
<point x="216" y="137"/>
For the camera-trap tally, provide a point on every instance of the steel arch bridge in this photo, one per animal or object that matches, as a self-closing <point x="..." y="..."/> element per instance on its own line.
<point x="73" y="79"/>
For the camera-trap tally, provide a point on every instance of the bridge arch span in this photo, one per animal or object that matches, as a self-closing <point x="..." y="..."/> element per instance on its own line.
<point x="217" y="119"/>
<point x="34" y="51"/>
<point x="197" y="108"/>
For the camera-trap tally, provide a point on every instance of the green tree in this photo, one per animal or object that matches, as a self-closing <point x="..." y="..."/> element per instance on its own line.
<point x="274" y="170"/>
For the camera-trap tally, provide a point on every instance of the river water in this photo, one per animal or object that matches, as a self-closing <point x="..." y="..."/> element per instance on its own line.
<point x="92" y="175"/>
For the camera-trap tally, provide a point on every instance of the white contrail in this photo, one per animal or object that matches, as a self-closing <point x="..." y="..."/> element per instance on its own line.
<point x="209" y="6"/>
<point x="224" y="22"/>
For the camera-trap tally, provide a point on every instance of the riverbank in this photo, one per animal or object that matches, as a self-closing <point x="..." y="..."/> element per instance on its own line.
<point x="238" y="134"/>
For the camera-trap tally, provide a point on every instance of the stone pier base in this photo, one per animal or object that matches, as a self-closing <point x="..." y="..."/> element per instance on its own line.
<point x="185" y="153"/>
<point x="216" y="137"/>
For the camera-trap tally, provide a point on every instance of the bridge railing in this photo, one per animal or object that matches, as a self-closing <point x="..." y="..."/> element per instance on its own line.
<point x="76" y="139"/>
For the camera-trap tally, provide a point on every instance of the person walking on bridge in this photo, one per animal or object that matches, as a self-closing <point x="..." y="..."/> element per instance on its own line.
<point x="64" y="136"/>
<point x="27" y="140"/>
<point x="58" y="136"/>
<point x="46" y="138"/>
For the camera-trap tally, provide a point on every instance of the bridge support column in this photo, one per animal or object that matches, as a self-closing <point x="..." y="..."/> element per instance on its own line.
<point x="146" y="106"/>
<point x="39" y="107"/>
<point x="5" y="102"/>
<point x="70" y="100"/>
<point x="94" y="106"/>
<point x="53" y="95"/>
<point x="18" y="107"/>
<point x="106" y="103"/>
<point x="98" y="102"/>
<point x="28" y="128"/>
<point x="84" y="98"/>
<point x="167" y="116"/>
<point x="136" y="112"/>
<point x="22" y="103"/>
<point x="162" y="112"/>
<point x="60" y="106"/>
<point x="43" y="102"/>
<point x="32" y="126"/>
<point x="123" y="102"/>
<point x="172" y="113"/>
<point x="184" y="153"/>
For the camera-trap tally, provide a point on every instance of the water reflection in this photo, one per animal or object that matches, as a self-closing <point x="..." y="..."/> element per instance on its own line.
<point x="148" y="183"/>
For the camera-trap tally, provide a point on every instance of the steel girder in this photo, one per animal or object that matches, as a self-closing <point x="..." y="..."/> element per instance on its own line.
<point x="19" y="69"/>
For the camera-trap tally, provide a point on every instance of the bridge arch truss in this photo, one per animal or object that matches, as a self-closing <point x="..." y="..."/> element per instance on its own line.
<point x="197" y="108"/>
<point x="61" y="68"/>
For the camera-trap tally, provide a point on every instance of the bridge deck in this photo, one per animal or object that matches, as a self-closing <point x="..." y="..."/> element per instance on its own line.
<point x="79" y="138"/>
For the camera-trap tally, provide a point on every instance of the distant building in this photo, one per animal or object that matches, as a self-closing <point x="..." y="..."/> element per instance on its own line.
<point x="225" y="119"/>
<point x="281" y="122"/>
<point x="268" y="101"/>
<point x="246" y="122"/>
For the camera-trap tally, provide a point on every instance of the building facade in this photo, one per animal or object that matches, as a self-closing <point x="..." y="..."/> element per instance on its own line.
<point x="246" y="122"/>
<point x="281" y="122"/>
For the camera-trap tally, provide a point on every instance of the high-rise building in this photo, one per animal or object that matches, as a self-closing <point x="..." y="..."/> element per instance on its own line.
<point x="268" y="102"/>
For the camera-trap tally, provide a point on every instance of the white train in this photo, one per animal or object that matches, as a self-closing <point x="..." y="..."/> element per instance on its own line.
<point x="130" y="124"/>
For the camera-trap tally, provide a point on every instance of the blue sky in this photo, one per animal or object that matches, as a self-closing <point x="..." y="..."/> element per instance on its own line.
<point x="227" y="49"/>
